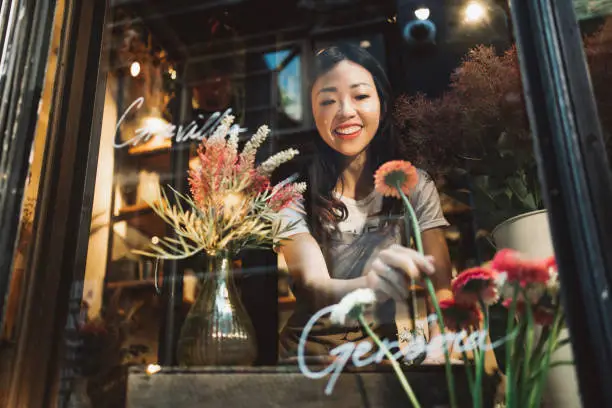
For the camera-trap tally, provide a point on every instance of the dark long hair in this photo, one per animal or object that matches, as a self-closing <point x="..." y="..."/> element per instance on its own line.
<point x="325" y="170"/>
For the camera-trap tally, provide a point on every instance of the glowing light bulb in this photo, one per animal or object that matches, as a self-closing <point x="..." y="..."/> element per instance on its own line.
<point x="155" y="240"/>
<point x="422" y="13"/>
<point x="135" y="69"/>
<point x="474" y="12"/>
<point x="365" y="44"/>
<point x="153" y="368"/>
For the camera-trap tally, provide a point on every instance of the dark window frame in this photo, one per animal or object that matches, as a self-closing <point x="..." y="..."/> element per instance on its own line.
<point x="566" y="131"/>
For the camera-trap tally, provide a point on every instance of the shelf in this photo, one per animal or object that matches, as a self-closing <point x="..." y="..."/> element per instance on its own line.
<point x="286" y="299"/>
<point x="149" y="148"/>
<point x="130" y="284"/>
<point x="129" y="211"/>
<point x="286" y="302"/>
<point x="452" y="206"/>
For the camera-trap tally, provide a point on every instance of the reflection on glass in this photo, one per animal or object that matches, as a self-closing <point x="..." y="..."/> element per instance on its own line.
<point x="455" y="104"/>
<point x="286" y="65"/>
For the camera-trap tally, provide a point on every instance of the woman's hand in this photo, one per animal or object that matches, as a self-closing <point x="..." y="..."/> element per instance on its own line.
<point x="392" y="270"/>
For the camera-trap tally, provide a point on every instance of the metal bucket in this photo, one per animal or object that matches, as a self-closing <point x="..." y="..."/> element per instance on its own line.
<point x="530" y="234"/>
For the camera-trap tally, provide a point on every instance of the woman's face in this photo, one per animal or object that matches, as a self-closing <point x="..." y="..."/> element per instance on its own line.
<point x="346" y="108"/>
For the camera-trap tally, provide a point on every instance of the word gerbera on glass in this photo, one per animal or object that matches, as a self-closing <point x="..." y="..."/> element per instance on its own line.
<point x="233" y="204"/>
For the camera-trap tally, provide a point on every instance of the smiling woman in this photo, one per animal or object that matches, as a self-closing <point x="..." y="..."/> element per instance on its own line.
<point x="350" y="237"/>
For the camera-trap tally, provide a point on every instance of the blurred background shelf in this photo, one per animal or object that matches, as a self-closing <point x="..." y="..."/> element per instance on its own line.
<point x="130" y="284"/>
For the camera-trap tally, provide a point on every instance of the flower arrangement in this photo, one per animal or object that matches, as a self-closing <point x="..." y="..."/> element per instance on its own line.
<point x="233" y="205"/>
<point x="528" y="288"/>
<point x="477" y="133"/>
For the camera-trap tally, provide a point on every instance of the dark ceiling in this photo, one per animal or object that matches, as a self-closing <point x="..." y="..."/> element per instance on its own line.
<point x="192" y="28"/>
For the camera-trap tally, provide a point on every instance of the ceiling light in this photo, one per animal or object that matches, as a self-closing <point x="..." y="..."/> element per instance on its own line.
<point x="474" y="12"/>
<point x="135" y="69"/>
<point x="422" y="13"/>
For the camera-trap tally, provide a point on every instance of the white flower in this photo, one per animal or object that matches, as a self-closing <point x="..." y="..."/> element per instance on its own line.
<point x="221" y="131"/>
<point x="248" y="153"/>
<point x="352" y="305"/>
<point x="553" y="282"/>
<point x="267" y="167"/>
<point x="232" y="142"/>
<point x="301" y="187"/>
<point x="505" y="291"/>
<point x="500" y="279"/>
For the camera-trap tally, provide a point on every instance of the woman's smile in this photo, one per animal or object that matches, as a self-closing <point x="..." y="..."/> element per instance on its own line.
<point x="348" y="131"/>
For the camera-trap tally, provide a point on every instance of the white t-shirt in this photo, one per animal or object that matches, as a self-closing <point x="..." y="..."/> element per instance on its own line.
<point x="349" y="254"/>
<point x="363" y="214"/>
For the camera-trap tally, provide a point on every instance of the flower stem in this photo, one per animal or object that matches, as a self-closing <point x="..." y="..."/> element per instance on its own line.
<point x="432" y="293"/>
<point x="413" y="218"/>
<point x="537" y="395"/>
<point x="394" y="363"/>
<point x="525" y="393"/>
<point x="510" y="350"/>
<point x="413" y="296"/>
<point x="477" y="395"/>
<point x="468" y="373"/>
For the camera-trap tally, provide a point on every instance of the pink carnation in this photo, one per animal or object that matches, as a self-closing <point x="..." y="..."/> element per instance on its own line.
<point x="474" y="284"/>
<point x="459" y="316"/>
<point x="521" y="270"/>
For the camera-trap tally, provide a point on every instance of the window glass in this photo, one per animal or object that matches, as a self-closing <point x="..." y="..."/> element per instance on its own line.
<point x="207" y="252"/>
<point x="595" y="19"/>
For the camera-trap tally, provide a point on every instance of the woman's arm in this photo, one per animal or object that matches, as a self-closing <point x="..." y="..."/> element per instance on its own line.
<point x="389" y="275"/>
<point x="309" y="272"/>
<point x="434" y="244"/>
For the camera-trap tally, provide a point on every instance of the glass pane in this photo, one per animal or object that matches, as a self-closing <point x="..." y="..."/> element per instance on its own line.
<point x="184" y="267"/>
<point x="596" y="27"/>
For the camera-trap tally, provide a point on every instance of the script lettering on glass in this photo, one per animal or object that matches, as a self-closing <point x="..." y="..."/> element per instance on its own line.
<point x="355" y="352"/>
<point x="186" y="133"/>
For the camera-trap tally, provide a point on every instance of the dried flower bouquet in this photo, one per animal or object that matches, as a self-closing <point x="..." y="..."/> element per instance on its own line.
<point x="233" y="204"/>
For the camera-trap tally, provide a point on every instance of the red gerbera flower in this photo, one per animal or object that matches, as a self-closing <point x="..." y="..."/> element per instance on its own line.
<point x="394" y="173"/>
<point x="474" y="284"/>
<point x="521" y="270"/>
<point x="458" y="316"/>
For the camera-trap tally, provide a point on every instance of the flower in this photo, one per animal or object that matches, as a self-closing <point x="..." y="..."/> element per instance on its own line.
<point x="459" y="316"/>
<point x="352" y="305"/>
<point x="552" y="284"/>
<point x="474" y="284"/>
<point x="394" y="173"/>
<point x="521" y="270"/>
<point x="233" y="203"/>
<point x="271" y="164"/>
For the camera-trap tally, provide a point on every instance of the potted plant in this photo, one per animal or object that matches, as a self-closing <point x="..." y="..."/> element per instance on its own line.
<point x="477" y="135"/>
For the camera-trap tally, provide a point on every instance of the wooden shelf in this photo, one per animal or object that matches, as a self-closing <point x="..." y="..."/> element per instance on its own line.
<point x="149" y="148"/>
<point x="130" y="284"/>
<point x="129" y="211"/>
<point x="286" y="299"/>
<point x="452" y="206"/>
<point x="286" y="302"/>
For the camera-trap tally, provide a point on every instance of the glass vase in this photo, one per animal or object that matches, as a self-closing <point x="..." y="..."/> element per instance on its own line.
<point x="217" y="330"/>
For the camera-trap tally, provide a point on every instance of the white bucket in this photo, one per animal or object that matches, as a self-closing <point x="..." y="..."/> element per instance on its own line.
<point x="530" y="235"/>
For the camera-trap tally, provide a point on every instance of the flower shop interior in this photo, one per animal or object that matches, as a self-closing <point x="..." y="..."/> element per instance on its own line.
<point x="173" y="69"/>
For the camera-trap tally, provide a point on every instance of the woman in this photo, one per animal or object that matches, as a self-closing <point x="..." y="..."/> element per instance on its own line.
<point x="348" y="236"/>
